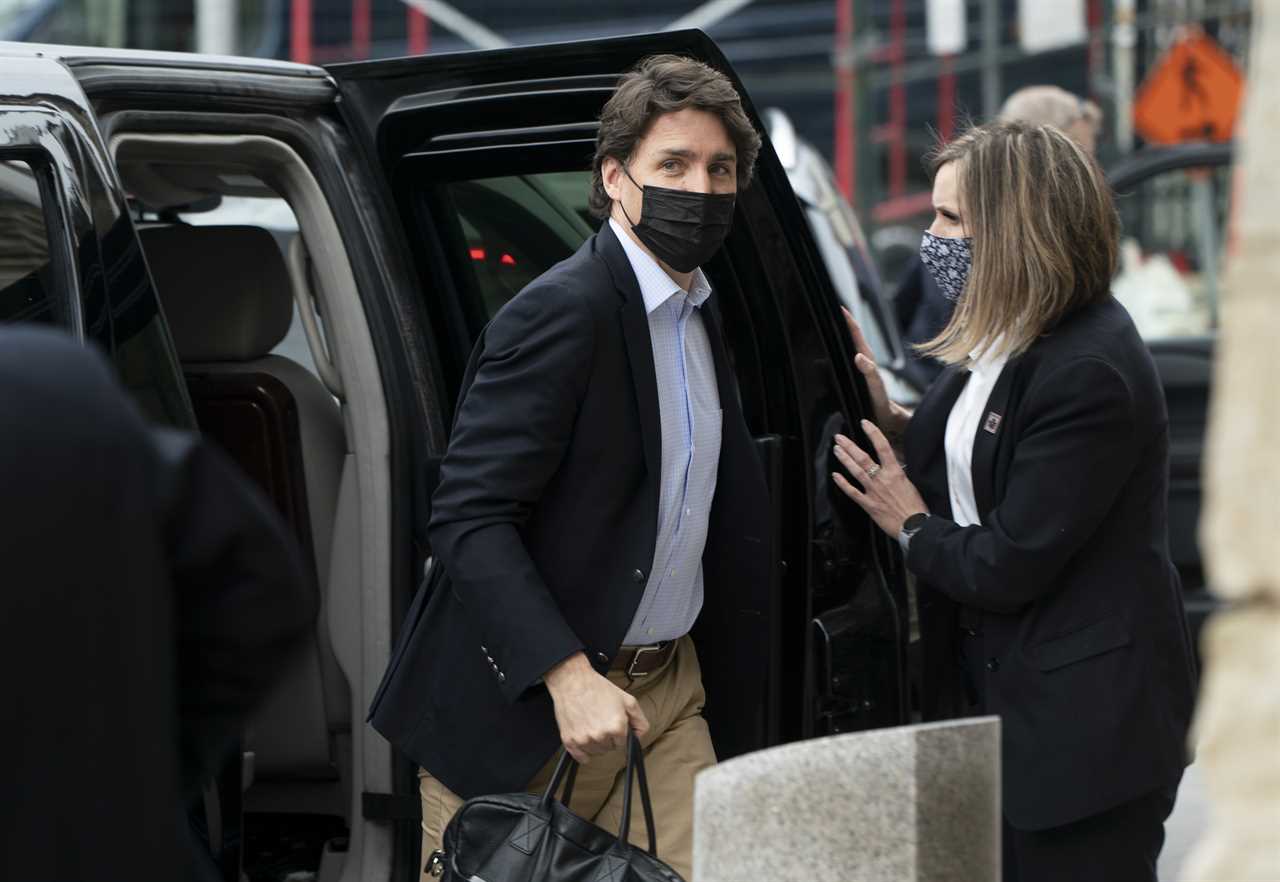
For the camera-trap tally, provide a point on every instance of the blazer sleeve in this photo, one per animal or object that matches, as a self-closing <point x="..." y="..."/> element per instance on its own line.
<point x="513" y="426"/>
<point x="1076" y="452"/>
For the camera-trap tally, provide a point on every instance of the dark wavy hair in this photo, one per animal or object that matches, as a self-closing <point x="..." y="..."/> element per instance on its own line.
<point x="662" y="84"/>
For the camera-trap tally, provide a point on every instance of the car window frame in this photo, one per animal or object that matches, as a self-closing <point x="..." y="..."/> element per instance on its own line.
<point x="37" y="137"/>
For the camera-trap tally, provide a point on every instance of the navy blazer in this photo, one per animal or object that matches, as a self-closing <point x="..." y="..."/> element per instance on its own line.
<point x="545" y="520"/>
<point x="1085" y="649"/>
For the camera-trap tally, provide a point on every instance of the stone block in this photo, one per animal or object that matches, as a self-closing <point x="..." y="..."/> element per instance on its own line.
<point x="908" y="804"/>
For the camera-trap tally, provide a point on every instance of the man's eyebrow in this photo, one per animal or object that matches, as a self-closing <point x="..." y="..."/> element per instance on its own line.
<point x="683" y="153"/>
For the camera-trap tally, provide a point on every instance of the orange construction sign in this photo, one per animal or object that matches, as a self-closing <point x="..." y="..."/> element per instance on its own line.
<point x="1192" y="94"/>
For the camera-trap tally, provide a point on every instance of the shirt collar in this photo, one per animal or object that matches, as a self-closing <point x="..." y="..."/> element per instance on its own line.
<point x="983" y="359"/>
<point x="656" y="287"/>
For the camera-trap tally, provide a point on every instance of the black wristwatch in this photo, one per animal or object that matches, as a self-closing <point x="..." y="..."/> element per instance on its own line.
<point x="910" y="527"/>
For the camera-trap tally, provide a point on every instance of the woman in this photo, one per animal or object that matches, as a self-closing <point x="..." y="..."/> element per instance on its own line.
<point x="1034" y="517"/>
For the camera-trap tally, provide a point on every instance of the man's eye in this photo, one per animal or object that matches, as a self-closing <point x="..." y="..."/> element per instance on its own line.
<point x="670" y="165"/>
<point x="720" y="169"/>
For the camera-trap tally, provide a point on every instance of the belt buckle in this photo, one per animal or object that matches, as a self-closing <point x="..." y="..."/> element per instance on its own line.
<point x="631" y="668"/>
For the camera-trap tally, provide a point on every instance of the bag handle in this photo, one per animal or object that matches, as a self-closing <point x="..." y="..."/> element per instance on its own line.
<point x="635" y="770"/>
<point x="567" y="771"/>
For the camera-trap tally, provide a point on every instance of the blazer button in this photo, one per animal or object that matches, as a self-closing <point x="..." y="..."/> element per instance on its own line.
<point x="484" y="649"/>
<point x="637" y="575"/>
<point x="602" y="658"/>
<point x="993" y="664"/>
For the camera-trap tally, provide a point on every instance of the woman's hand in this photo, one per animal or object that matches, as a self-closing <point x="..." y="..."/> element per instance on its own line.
<point x="892" y="418"/>
<point x="887" y="495"/>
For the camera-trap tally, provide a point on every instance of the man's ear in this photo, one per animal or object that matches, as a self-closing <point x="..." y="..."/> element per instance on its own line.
<point x="611" y="176"/>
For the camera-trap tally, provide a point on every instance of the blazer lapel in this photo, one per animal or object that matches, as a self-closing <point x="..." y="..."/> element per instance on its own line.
<point x="987" y="441"/>
<point x="635" y="331"/>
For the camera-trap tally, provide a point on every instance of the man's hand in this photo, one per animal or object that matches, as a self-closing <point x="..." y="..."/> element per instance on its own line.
<point x="592" y="713"/>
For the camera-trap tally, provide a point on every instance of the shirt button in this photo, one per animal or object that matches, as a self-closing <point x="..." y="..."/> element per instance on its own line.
<point x="649" y="632"/>
<point x="688" y="511"/>
<point x="993" y="664"/>
<point x="637" y="575"/>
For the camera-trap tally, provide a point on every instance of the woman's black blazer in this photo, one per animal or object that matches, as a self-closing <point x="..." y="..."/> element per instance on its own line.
<point x="1085" y="648"/>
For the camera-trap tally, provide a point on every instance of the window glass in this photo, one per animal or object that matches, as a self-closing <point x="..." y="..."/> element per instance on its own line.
<point x="515" y="228"/>
<point x="27" y="287"/>
<point x="273" y="214"/>
<point x="1171" y="251"/>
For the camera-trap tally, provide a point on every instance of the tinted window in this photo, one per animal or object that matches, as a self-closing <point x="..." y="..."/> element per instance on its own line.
<point x="512" y="229"/>
<point x="1172" y="251"/>
<point x="28" y="292"/>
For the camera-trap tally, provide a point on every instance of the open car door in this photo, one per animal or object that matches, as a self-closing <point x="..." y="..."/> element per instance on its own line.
<point x="487" y="159"/>
<point x="1174" y="203"/>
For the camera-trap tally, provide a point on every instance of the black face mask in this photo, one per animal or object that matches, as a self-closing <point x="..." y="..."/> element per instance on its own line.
<point x="681" y="228"/>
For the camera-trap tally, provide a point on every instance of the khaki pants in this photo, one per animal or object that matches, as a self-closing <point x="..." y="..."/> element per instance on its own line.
<point x="676" y="748"/>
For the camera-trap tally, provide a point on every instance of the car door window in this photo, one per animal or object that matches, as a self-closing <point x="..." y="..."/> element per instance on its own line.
<point x="29" y="286"/>
<point x="512" y="229"/>
<point x="1172" y="251"/>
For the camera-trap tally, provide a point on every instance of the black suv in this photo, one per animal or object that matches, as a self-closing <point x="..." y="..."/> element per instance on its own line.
<point x="297" y="261"/>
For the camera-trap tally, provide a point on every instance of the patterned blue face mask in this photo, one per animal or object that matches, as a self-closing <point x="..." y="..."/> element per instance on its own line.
<point x="948" y="261"/>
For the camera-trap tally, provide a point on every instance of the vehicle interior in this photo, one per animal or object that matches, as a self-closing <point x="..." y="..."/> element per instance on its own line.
<point x="253" y="277"/>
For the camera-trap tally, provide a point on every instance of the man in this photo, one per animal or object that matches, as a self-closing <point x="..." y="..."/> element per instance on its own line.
<point x="600" y="494"/>
<point x="150" y="595"/>
<point x="1079" y="118"/>
<point x="922" y="309"/>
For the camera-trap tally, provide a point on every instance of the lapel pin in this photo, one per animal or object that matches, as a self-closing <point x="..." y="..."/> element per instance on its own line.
<point x="992" y="423"/>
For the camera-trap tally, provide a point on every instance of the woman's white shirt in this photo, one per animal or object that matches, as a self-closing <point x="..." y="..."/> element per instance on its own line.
<point x="966" y="417"/>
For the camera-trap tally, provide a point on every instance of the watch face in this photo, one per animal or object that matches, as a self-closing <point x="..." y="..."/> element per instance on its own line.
<point x="915" y="522"/>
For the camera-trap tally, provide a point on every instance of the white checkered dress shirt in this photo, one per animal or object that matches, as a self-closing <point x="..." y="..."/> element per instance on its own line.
<point x="689" y="407"/>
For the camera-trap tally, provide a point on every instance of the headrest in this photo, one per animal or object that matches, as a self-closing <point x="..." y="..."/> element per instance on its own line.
<point x="225" y="290"/>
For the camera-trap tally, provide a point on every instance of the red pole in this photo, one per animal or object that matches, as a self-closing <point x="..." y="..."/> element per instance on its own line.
<point x="946" y="99"/>
<point x="1097" y="51"/>
<point x="419" y="27"/>
<point x="300" y="31"/>
<point x="361" y="27"/>
<point x="898" y="101"/>
<point x="844" y="147"/>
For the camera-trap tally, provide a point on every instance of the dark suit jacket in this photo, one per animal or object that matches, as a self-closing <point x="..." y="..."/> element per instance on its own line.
<point x="150" y="595"/>
<point x="1085" y="649"/>
<point x="545" y="519"/>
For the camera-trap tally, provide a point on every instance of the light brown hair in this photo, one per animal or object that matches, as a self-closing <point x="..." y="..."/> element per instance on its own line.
<point x="1045" y="236"/>
<point x="662" y="84"/>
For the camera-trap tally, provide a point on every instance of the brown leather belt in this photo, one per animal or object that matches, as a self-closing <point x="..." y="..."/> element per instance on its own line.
<point x="641" y="661"/>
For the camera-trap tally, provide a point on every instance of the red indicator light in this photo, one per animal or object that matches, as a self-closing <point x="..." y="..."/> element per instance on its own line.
<point x="477" y="254"/>
<point x="508" y="260"/>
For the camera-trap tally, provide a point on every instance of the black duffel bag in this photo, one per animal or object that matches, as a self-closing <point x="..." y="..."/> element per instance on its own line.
<point x="521" y="837"/>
